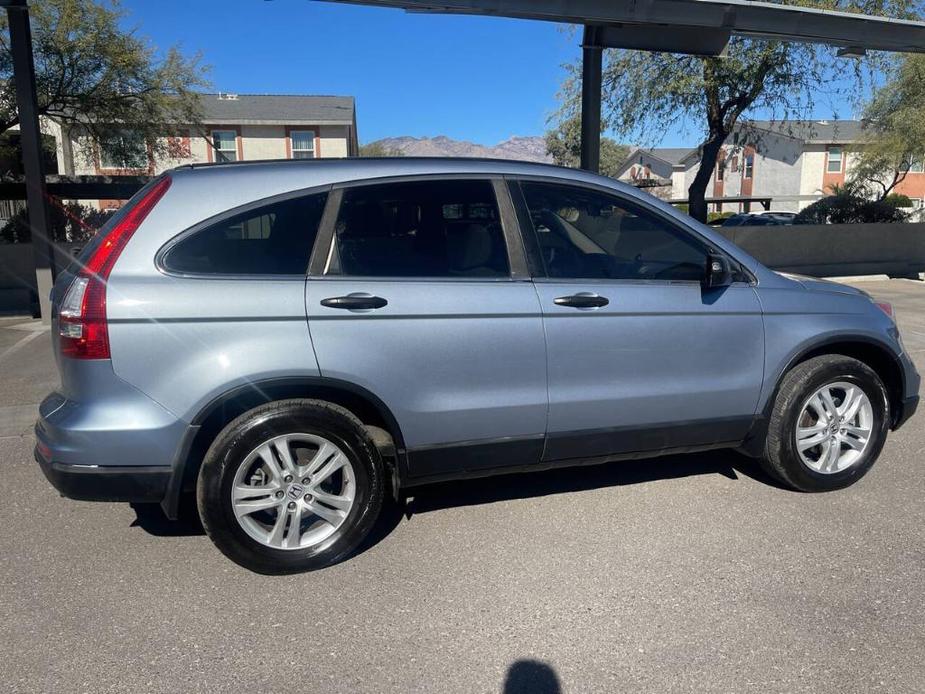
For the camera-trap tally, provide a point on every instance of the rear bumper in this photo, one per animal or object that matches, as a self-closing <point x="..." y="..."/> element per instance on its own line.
<point x="105" y="483"/>
<point x="119" y="446"/>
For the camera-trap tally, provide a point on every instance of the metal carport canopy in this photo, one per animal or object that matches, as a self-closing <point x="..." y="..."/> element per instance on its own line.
<point x="697" y="27"/>
<point x="717" y="18"/>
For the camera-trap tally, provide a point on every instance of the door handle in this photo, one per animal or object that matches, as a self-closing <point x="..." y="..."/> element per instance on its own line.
<point x="355" y="302"/>
<point x="582" y="300"/>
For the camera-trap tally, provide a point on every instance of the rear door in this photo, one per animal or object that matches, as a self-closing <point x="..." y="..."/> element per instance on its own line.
<point x="420" y="295"/>
<point x="641" y="356"/>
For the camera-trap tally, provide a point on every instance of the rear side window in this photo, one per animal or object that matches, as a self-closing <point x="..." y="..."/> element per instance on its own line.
<point x="420" y="229"/>
<point x="273" y="239"/>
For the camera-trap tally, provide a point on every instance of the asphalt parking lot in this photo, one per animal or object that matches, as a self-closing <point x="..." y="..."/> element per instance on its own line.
<point x="686" y="573"/>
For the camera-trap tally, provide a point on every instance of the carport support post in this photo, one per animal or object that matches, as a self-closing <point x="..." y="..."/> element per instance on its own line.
<point x="591" y="84"/>
<point x="31" y="143"/>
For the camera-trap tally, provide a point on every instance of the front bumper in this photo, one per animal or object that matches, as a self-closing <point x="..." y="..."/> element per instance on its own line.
<point x="907" y="408"/>
<point x="912" y="381"/>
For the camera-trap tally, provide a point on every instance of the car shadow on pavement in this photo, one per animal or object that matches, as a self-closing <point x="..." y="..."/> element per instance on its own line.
<point x="486" y="490"/>
<point x="531" y="677"/>
<point x="151" y="518"/>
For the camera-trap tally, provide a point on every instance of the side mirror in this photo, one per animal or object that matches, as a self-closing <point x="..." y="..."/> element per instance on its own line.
<point x="718" y="271"/>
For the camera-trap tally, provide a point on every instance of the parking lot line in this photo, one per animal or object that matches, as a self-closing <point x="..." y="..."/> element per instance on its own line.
<point x="21" y="343"/>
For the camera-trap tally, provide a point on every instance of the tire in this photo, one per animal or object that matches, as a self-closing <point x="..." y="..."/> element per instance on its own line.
<point x="241" y="462"/>
<point x="782" y="458"/>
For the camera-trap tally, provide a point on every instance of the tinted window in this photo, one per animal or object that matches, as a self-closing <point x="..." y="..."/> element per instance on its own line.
<point x="275" y="239"/>
<point x="421" y="229"/>
<point x="585" y="234"/>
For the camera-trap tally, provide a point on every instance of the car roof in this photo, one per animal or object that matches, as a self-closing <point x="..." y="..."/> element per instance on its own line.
<point x="336" y="170"/>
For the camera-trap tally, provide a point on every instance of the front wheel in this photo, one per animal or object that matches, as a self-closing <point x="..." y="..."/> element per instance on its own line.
<point x="290" y="486"/>
<point x="828" y="425"/>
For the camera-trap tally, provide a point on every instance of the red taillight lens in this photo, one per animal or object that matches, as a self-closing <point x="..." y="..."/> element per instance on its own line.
<point x="886" y="307"/>
<point x="82" y="319"/>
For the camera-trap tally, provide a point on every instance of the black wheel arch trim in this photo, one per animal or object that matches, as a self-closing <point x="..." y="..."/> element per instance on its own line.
<point x="178" y="476"/>
<point x="754" y="441"/>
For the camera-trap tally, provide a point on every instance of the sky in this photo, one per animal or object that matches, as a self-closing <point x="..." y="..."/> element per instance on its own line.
<point x="481" y="79"/>
<point x="474" y="78"/>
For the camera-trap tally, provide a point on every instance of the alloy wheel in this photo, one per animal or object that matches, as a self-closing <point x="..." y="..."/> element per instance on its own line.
<point x="293" y="491"/>
<point x="834" y="427"/>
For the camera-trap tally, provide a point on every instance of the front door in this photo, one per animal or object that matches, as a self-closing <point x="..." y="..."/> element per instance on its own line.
<point x="418" y="304"/>
<point x="641" y="357"/>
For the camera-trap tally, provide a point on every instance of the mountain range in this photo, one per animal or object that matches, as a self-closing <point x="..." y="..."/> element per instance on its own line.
<point x="520" y="148"/>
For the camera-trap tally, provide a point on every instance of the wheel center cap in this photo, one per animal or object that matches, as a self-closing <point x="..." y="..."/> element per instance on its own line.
<point x="295" y="491"/>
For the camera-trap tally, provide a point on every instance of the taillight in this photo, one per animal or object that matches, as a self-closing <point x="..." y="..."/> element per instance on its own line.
<point x="82" y="316"/>
<point x="886" y="307"/>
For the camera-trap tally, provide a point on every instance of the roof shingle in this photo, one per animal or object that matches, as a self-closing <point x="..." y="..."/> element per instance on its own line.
<point x="277" y="108"/>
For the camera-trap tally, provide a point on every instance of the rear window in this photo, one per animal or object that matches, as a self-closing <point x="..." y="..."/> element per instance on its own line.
<point x="273" y="239"/>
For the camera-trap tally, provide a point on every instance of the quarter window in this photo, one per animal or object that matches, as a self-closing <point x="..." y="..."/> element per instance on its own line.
<point x="225" y="143"/>
<point x="420" y="229"/>
<point x="274" y="239"/>
<point x="303" y="144"/>
<point x="835" y="160"/>
<point x="584" y="234"/>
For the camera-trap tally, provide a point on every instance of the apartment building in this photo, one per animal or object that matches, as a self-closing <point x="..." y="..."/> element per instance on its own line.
<point x="792" y="162"/>
<point x="235" y="127"/>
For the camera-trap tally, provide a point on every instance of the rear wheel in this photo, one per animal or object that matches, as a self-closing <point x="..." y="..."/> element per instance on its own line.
<point x="290" y="486"/>
<point x="828" y="425"/>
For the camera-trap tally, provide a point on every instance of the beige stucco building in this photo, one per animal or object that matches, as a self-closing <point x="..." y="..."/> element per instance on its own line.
<point x="794" y="163"/>
<point x="236" y="127"/>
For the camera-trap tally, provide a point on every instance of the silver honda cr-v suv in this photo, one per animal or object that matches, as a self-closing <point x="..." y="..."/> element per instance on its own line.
<point x="297" y="340"/>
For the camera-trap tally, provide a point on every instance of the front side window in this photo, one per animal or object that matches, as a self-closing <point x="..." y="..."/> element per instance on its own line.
<point x="225" y="143"/>
<point x="303" y="144"/>
<point x="420" y="229"/>
<point x="273" y="239"/>
<point x="584" y="234"/>
<point x="123" y="149"/>
<point x="835" y="160"/>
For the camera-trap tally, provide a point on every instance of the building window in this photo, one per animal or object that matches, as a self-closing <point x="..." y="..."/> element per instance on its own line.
<point x="303" y="144"/>
<point x="123" y="149"/>
<point x="834" y="164"/>
<point x="720" y="169"/>
<point x="225" y="143"/>
<point x="749" y="166"/>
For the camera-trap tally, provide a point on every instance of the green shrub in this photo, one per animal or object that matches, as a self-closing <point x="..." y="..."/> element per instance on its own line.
<point x="847" y="208"/>
<point x="898" y="200"/>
